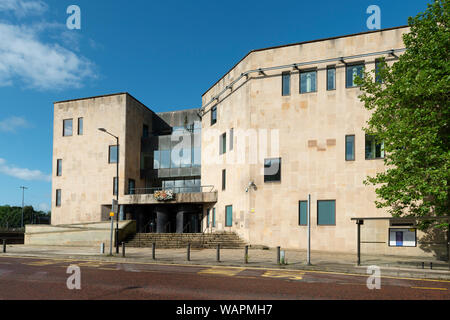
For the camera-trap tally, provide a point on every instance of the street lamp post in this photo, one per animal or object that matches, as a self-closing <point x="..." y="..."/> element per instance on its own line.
<point x="117" y="187"/>
<point x="23" y="195"/>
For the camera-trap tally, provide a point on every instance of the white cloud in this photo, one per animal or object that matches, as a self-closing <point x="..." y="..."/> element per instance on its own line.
<point x="22" y="173"/>
<point x="39" y="65"/>
<point x="12" y="123"/>
<point x="22" y="8"/>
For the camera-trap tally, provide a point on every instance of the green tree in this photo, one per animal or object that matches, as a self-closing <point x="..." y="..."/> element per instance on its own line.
<point x="410" y="113"/>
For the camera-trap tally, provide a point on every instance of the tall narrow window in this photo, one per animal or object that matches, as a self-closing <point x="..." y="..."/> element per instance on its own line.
<point x="214" y="217"/>
<point x="231" y="138"/>
<point x="331" y="78"/>
<point x="113" y="154"/>
<point x="228" y="216"/>
<point x="350" y="147"/>
<point x="58" y="197"/>
<point x="378" y="66"/>
<point x="145" y="131"/>
<point x="80" y="126"/>
<point x="302" y="213"/>
<point x="374" y="148"/>
<point x="207" y="217"/>
<point x="59" y="167"/>
<point x="213" y="115"/>
<point x="308" y="81"/>
<point x="115" y="186"/>
<point x="326" y="212"/>
<point x="272" y="170"/>
<point x="67" y="127"/>
<point x="224" y="179"/>
<point x="223" y="143"/>
<point x="131" y="186"/>
<point x="353" y="71"/>
<point x="286" y="84"/>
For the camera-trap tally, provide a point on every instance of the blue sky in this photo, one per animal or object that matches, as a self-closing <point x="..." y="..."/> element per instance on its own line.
<point x="165" y="53"/>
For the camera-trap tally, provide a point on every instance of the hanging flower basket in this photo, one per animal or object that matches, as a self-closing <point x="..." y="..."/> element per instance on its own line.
<point x="163" y="195"/>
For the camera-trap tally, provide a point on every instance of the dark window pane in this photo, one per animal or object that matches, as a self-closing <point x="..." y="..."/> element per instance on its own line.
<point x="326" y="212"/>
<point x="214" y="218"/>
<point x="207" y="218"/>
<point x="303" y="213"/>
<point x="80" y="126"/>
<point x="331" y="78"/>
<point x="223" y="144"/>
<point x="113" y="154"/>
<point x="349" y="148"/>
<point x="145" y="131"/>
<point x="374" y="149"/>
<point x="213" y="115"/>
<point x="308" y="81"/>
<point x="352" y="72"/>
<point x="224" y="176"/>
<point x="272" y="169"/>
<point x="67" y="127"/>
<point x="228" y="216"/>
<point x="131" y="186"/>
<point x="59" y="167"/>
<point x="58" y="197"/>
<point x="286" y="84"/>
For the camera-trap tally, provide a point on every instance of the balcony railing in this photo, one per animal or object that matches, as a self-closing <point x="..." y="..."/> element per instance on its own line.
<point x="190" y="189"/>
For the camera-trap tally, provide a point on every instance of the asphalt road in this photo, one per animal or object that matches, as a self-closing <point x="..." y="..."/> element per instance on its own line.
<point x="32" y="279"/>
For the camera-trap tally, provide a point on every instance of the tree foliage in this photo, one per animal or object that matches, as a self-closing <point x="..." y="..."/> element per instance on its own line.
<point x="410" y="113"/>
<point x="10" y="217"/>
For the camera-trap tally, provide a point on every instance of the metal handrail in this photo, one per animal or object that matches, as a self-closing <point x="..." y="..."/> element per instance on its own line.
<point x="190" y="189"/>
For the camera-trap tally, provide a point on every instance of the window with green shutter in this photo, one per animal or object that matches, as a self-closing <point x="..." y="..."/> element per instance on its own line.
<point x="302" y="213"/>
<point x="326" y="212"/>
<point x="228" y="216"/>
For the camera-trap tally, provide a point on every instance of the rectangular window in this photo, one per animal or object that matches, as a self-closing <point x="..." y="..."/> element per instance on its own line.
<point x="113" y="154"/>
<point x="272" y="170"/>
<point x="231" y="138"/>
<point x="353" y="71"/>
<point x="228" y="216"/>
<point x="197" y="157"/>
<point x="145" y="131"/>
<point x="67" y="127"/>
<point x="58" y="197"/>
<point x="207" y="217"/>
<point x="165" y="159"/>
<point x="350" y="148"/>
<point x="131" y="186"/>
<point x="224" y="177"/>
<point x="302" y="213"/>
<point x="115" y="186"/>
<point x="374" y="148"/>
<point x="331" y="78"/>
<point x="223" y="143"/>
<point x="308" y="81"/>
<point x="156" y="159"/>
<point x="286" y="84"/>
<point x="80" y="126"/>
<point x="213" y="115"/>
<point x="59" y="167"/>
<point x="378" y="65"/>
<point x="326" y="212"/>
<point x="214" y="218"/>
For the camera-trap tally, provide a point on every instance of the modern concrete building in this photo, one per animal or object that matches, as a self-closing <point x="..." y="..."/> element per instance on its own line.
<point x="282" y="124"/>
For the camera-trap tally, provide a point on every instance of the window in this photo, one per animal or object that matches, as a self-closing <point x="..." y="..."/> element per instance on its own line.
<point x="231" y="138"/>
<point x="156" y="159"/>
<point x="165" y="159"/>
<point x="308" y="81"/>
<point x="228" y="216"/>
<point x="326" y="212"/>
<point x="302" y="213"/>
<point x="331" y="78"/>
<point x="223" y="143"/>
<point x="113" y="154"/>
<point x="213" y="115"/>
<point x="214" y="218"/>
<point x="374" y="148"/>
<point x="59" y="167"/>
<point x="286" y="83"/>
<point x="80" y="126"/>
<point x="67" y="127"/>
<point x="224" y="176"/>
<point x="197" y="160"/>
<point x="131" y="186"/>
<point x="350" y="148"/>
<point x="115" y="186"/>
<point x="58" y="197"/>
<point x="272" y="170"/>
<point x="207" y="217"/>
<point x="353" y="71"/>
<point x="145" y="131"/>
<point x="378" y="66"/>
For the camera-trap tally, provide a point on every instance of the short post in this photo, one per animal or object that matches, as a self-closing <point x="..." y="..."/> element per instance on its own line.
<point x="278" y="255"/>
<point x="153" y="250"/>
<point x="246" y="255"/>
<point x="423" y="265"/>
<point x="358" y="247"/>
<point x="4" y="245"/>
<point x="431" y="265"/>
<point x="102" y="248"/>
<point x="189" y="252"/>
<point x="123" y="249"/>
<point x="218" y="253"/>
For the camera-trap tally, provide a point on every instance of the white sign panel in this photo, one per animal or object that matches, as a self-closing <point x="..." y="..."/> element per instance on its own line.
<point x="402" y="237"/>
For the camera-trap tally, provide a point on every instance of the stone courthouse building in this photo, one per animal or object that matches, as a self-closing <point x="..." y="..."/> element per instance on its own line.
<point x="282" y="124"/>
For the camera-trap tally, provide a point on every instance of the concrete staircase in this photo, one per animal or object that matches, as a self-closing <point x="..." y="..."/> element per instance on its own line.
<point x="227" y="240"/>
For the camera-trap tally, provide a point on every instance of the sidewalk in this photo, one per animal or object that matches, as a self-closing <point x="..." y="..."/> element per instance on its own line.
<point x="408" y="267"/>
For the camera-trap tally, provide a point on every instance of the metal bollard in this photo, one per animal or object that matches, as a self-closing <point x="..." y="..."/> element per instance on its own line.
<point x="431" y="265"/>
<point x="102" y="248"/>
<point x="123" y="249"/>
<point x="189" y="252"/>
<point x="423" y="265"/>
<point x="218" y="253"/>
<point x="246" y="255"/>
<point x="153" y="250"/>
<point x="4" y="245"/>
<point x="278" y="255"/>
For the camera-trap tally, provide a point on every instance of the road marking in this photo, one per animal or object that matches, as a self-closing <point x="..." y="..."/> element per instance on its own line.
<point x="427" y="288"/>
<point x="221" y="271"/>
<point x="291" y="275"/>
